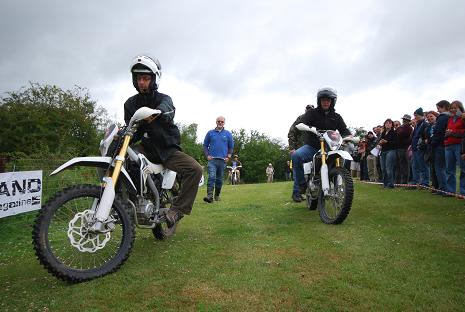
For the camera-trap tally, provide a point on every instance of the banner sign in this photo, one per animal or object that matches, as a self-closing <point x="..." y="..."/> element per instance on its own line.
<point x="20" y="192"/>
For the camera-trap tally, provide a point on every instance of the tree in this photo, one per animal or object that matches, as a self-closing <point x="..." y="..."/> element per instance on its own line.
<point x="256" y="151"/>
<point x="358" y="131"/>
<point x="189" y="142"/>
<point x="43" y="119"/>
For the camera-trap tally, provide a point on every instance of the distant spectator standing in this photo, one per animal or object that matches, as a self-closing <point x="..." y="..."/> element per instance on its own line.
<point x="217" y="146"/>
<point x="269" y="173"/>
<point x="429" y="156"/>
<point x="377" y="130"/>
<point x="288" y="171"/>
<point x="371" y="159"/>
<point x="362" y="152"/>
<point x="437" y="143"/>
<point x="420" y="169"/>
<point x="404" y="139"/>
<point x="452" y="143"/>
<point x="388" y="144"/>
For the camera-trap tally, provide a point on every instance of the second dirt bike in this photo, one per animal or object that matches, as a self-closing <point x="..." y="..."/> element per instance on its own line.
<point x="329" y="185"/>
<point x="233" y="174"/>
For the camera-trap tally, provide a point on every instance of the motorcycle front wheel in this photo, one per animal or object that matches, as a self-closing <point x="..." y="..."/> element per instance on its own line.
<point x="65" y="246"/>
<point x="335" y="207"/>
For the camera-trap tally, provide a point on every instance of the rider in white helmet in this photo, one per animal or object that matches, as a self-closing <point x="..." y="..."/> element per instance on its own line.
<point x="160" y="138"/>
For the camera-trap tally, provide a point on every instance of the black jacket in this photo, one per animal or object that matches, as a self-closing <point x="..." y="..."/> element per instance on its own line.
<point x="161" y="137"/>
<point x="391" y="138"/>
<point x="439" y="130"/>
<point x="323" y="120"/>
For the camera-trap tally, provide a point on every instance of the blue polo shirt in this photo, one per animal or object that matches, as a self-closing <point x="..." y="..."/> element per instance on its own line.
<point x="218" y="144"/>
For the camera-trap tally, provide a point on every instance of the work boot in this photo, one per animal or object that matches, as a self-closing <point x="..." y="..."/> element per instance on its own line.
<point x="296" y="197"/>
<point x="172" y="217"/>
<point x="217" y="193"/>
<point x="209" y="197"/>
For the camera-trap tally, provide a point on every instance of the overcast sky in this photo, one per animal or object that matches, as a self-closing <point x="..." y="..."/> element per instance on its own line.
<point x="258" y="63"/>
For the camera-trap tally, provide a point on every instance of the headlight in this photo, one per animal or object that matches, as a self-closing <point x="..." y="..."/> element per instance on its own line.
<point x="107" y="139"/>
<point x="333" y="139"/>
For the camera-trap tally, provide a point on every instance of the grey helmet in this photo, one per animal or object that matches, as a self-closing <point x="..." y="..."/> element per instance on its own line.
<point x="143" y="64"/>
<point x="326" y="92"/>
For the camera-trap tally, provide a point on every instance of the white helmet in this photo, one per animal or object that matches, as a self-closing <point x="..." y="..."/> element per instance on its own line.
<point x="143" y="64"/>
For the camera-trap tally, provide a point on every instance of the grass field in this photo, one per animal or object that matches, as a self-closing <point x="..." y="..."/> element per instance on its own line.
<point x="256" y="250"/>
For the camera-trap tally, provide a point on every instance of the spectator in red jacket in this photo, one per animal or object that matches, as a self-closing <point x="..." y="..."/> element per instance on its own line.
<point x="452" y="142"/>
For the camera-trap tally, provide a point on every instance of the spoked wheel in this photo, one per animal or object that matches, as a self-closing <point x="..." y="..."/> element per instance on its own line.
<point x="161" y="230"/>
<point x="64" y="243"/>
<point x="335" y="207"/>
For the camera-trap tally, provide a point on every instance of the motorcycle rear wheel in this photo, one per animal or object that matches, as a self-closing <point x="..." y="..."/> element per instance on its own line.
<point x="66" y="248"/>
<point x="334" y="208"/>
<point x="162" y="230"/>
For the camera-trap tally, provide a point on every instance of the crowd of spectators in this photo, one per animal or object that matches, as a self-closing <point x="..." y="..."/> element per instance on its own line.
<point x="419" y="152"/>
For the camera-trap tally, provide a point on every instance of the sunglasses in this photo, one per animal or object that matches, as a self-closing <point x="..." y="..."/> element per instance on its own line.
<point x="220" y="121"/>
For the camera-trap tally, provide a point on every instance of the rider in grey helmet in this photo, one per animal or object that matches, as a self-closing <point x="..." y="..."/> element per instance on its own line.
<point x="160" y="137"/>
<point x="322" y="117"/>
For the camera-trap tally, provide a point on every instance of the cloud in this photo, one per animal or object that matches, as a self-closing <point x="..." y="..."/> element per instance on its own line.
<point x="263" y="57"/>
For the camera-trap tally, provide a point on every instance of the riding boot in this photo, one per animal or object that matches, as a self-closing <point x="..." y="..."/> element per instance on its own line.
<point x="209" y="197"/>
<point x="217" y="193"/>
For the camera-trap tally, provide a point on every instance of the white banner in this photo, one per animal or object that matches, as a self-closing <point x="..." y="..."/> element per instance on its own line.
<point x="20" y="192"/>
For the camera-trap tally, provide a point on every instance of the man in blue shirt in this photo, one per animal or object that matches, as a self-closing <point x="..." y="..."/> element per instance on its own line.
<point x="218" y="147"/>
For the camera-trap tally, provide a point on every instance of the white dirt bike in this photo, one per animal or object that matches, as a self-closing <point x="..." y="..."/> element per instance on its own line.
<point x="87" y="231"/>
<point x="233" y="174"/>
<point x="329" y="185"/>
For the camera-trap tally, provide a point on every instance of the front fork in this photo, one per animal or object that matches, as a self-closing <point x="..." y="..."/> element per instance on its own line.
<point x="108" y="196"/>
<point x="324" y="169"/>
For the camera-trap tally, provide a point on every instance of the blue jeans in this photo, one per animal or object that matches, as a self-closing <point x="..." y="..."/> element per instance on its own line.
<point x="440" y="167"/>
<point x="215" y="173"/>
<point x="388" y="162"/>
<point x="299" y="157"/>
<point x="420" y="169"/>
<point x="453" y="159"/>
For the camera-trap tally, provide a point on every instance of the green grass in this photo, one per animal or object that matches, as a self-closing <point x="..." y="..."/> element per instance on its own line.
<point x="256" y="250"/>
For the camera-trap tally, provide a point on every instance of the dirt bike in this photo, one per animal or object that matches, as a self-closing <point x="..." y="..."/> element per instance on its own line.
<point x="234" y="174"/>
<point x="329" y="185"/>
<point x="88" y="231"/>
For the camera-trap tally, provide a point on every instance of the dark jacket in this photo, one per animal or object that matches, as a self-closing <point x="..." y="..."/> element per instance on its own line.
<point x="323" y="120"/>
<point x="440" y="127"/>
<point x="391" y="138"/>
<point x="417" y="133"/>
<point x="404" y="136"/>
<point x="295" y="136"/>
<point x="160" y="138"/>
<point x="371" y="143"/>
